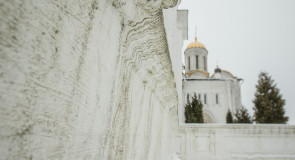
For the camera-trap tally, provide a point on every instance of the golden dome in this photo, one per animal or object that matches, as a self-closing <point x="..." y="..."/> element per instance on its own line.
<point x="195" y="44"/>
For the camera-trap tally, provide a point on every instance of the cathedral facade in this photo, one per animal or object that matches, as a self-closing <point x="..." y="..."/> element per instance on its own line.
<point x="219" y="92"/>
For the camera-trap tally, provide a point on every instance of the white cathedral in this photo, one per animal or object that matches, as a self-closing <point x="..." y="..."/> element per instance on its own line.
<point x="218" y="92"/>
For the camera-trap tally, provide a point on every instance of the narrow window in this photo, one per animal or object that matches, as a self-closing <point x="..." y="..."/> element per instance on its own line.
<point x="217" y="99"/>
<point x="197" y="62"/>
<point x="205" y="64"/>
<point x="199" y="96"/>
<point x="205" y="99"/>
<point x="189" y="63"/>
<point x="187" y="98"/>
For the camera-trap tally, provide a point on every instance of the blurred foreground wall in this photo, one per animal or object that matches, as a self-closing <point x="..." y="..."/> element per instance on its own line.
<point x="86" y="79"/>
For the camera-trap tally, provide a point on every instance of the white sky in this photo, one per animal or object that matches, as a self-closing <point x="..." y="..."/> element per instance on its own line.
<point x="246" y="37"/>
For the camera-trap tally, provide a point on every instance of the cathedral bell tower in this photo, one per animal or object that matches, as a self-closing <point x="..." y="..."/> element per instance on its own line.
<point x="195" y="57"/>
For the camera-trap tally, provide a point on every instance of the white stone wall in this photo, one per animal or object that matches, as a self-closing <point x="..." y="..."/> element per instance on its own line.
<point x="182" y="22"/>
<point x="236" y="142"/>
<point x="175" y="28"/>
<point x="85" y="80"/>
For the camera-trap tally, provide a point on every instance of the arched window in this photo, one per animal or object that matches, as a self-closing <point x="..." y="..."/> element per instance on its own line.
<point x="205" y="63"/>
<point x="189" y="63"/>
<point x="199" y="97"/>
<point x="207" y="118"/>
<point x="217" y="100"/>
<point x="187" y="98"/>
<point x="197" y="62"/>
<point x="205" y="99"/>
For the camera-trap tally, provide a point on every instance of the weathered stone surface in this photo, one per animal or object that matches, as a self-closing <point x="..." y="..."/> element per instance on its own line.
<point x="145" y="66"/>
<point x="85" y="80"/>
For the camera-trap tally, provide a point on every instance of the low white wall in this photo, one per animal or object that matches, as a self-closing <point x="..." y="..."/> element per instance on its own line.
<point x="236" y="142"/>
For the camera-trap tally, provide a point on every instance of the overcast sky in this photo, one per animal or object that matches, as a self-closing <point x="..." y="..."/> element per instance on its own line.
<point x="247" y="37"/>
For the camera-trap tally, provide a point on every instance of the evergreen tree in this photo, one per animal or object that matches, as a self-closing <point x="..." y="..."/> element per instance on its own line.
<point x="194" y="111"/>
<point x="268" y="102"/>
<point x="242" y="116"/>
<point x="229" y="117"/>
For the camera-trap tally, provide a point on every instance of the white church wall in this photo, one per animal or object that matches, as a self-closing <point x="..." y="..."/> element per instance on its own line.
<point x="236" y="142"/>
<point x="225" y="89"/>
<point x="86" y="80"/>
<point x="198" y="75"/>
